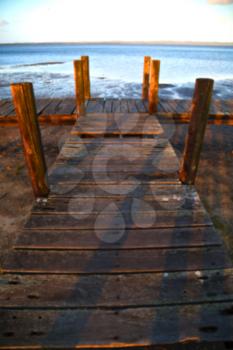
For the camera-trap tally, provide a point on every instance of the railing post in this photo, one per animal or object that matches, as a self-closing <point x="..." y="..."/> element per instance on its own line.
<point x="146" y="77"/>
<point x="79" y="87"/>
<point x="86" y="77"/>
<point x="154" y="86"/>
<point x="24" y="102"/>
<point x="194" y="139"/>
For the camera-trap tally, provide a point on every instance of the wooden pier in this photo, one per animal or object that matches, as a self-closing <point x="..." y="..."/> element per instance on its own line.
<point x="59" y="111"/>
<point x="121" y="253"/>
<point x="118" y="251"/>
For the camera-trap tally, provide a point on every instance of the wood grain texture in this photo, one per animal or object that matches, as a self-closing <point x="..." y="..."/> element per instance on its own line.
<point x="86" y="77"/>
<point x="117" y="290"/>
<point x="79" y="86"/>
<point x="24" y="102"/>
<point x="146" y="77"/>
<point x="154" y="86"/>
<point x="79" y="239"/>
<point x="112" y="261"/>
<point x="127" y="327"/>
<point x="198" y="122"/>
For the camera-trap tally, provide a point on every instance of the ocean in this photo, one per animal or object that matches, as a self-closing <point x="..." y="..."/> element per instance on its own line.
<point x="116" y="70"/>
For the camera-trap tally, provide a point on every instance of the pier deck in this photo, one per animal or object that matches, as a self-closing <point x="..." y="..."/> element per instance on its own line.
<point x="63" y="110"/>
<point x="121" y="254"/>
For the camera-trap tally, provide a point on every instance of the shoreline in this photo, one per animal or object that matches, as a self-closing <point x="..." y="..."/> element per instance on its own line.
<point x="58" y="86"/>
<point x="130" y="43"/>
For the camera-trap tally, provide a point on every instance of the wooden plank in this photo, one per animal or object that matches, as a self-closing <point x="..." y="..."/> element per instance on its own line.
<point x="2" y="102"/>
<point x="133" y="239"/>
<point x="120" y="220"/>
<point x="120" y="328"/>
<point x="118" y="290"/>
<point x="7" y="109"/>
<point x="116" y="124"/>
<point x="161" y="106"/>
<point x="172" y="106"/>
<point x="159" y="197"/>
<point x="132" y="106"/>
<point x="66" y="107"/>
<point x="41" y="104"/>
<point x="62" y="205"/>
<point x="77" y="140"/>
<point x="112" y="261"/>
<point x="52" y="107"/>
<point x="95" y="106"/>
<point x="141" y="106"/>
<point x="124" y="106"/>
<point x="108" y="106"/>
<point x="116" y="106"/>
<point x="145" y="155"/>
<point x="165" y="106"/>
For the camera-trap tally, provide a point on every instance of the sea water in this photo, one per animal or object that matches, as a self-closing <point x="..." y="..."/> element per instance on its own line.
<point x="116" y="70"/>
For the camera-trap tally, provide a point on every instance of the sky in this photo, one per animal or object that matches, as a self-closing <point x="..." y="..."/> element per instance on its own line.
<point x="116" y="20"/>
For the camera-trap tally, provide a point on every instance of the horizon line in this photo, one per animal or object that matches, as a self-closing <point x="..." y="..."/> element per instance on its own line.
<point x="127" y="42"/>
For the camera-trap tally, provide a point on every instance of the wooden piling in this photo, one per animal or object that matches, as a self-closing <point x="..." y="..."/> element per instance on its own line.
<point x="146" y="76"/>
<point x="79" y="87"/>
<point x="198" y="120"/>
<point x="86" y="77"/>
<point x="154" y="86"/>
<point x="24" y="102"/>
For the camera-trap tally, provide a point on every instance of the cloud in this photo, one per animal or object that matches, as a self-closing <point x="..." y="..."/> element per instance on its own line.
<point x="220" y="2"/>
<point x="3" y="23"/>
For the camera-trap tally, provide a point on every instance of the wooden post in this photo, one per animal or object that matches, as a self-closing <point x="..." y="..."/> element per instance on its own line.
<point x="146" y="77"/>
<point x="79" y="87"/>
<point x="154" y="86"/>
<point x="194" y="139"/>
<point x="24" y="102"/>
<point x="86" y="77"/>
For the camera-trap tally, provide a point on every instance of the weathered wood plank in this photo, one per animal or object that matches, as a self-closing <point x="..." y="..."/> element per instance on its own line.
<point x="116" y="106"/>
<point x="158" y="196"/>
<point x="7" y="108"/>
<point x="41" y="104"/>
<point x="153" y="95"/>
<point x="66" y="107"/>
<point x="52" y="108"/>
<point x="118" y="219"/>
<point x="112" y="261"/>
<point x="194" y="139"/>
<point x="124" y="106"/>
<point x="23" y="97"/>
<point x="118" y="290"/>
<point x="117" y="328"/>
<point x="79" y="87"/>
<point x="132" y="106"/>
<point x="133" y="239"/>
<point x="141" y="106"/>
<point x="95" y="106"/>
<point x="86" y="77"/>
<point x="108" y="106"/>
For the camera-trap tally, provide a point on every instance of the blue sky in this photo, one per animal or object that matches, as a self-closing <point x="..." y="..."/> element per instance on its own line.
<point x="112" y="20"/>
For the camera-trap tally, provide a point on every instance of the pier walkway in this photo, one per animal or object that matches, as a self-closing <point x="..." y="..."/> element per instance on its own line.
<point x="64" y="110"/>
<point x="120" y="254"/>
